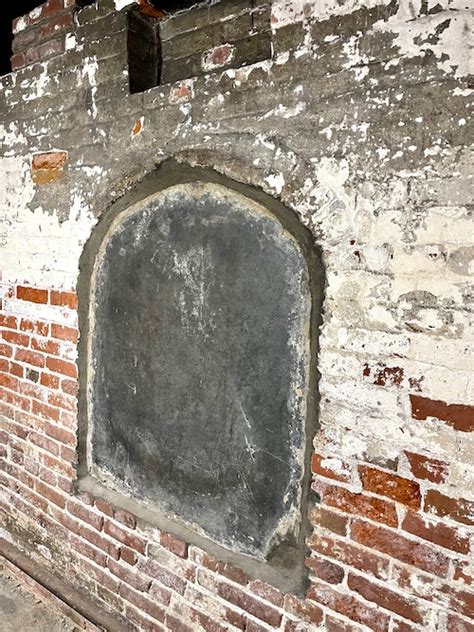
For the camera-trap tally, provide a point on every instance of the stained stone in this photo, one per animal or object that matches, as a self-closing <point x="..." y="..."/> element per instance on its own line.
<point x="200" y="355"/>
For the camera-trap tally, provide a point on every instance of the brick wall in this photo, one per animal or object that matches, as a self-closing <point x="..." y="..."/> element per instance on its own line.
<point x="359" y="123"/>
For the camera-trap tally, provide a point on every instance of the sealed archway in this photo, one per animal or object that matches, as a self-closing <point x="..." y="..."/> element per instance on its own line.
<point x="200" y="362"/>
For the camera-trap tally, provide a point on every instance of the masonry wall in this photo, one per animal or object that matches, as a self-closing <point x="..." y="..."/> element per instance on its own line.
<point x="359" y="122"/>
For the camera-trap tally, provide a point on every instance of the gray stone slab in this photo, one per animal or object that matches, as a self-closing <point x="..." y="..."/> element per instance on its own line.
<point x="200" y="356"/>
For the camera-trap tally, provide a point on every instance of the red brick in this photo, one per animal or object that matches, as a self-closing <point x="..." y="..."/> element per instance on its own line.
<point x="426" y="587"/>
<point x="58" y="465"/>
<point x="249" y="604"/>
<point x="231" y="572"/>
<point x="53" y="26"/>
<point x="426" y="468"/>
<point x="218" y="56"/>
<point x="456" y="624"/>
<point x="140" y="621"/>
<point x="60" y="434"/>
<point x="382" y="375"/>
<point x="14" y="400"/>
<point x="131" y="540"/>
<point x="6" y="351"/>
<point x="458" y="416"/>
<point x="386" y="598"/>
<point x="129" y="576"/>
<point x="31" y="294"/>
<point x="36" y="327"/>
<point x="350" y="554"/>
<point x="85" y="514"/>
<point x="70" y="387"/>
<point x="321" y="465"/>
<point x="457" y="509"/>
<point x="64" y="333"/>
<point x="358" y="504"/>
<point x="49" y="380"/>
<point x="175" y="624"/>
<point x="85" y="549"/>
<point x="51" y="494"/>
<point x="387" y="484"/>
<point x="173" y="544"/>
<point x="205" y="622"/>
<point x="99" y="575"/>
<point x="45" y="443"/>
<point x="402" y="626"/>
<point x="30" y="357"/>
<point x="349" y="606"/>
<point x="266" y="592"/>
<point x="397" y="546"/>
<point x="141" y="602"/>
<point x="438" y="533"/>
<point x="65" y="299"/>
<point x="8" y="381"/>
<point x="104" y="507"/>
<point x="325" y="570"/>
<point x="44" y="411"/>
<point x="16" y="369"/>
<point x="332" y="624"/>
<point x="163" y="575"/>
<point x="463" y="572"/>
<point x="8" y="321"/>
<point x="46" y="346"/>
<point x="128" y="556"/>
<point x="160" y="594"/>
<point x="58" y="400"/>
<point x="202" y="558"/>
<point x="86" y="533"/>
<point x="61" y="366"/>
<point x="15" y="338"/>
<point x="17" y="61"/>
<point x="125" y="518"/>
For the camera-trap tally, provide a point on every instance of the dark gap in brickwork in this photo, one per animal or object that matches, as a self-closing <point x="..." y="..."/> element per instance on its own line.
<point x="144" y="52"/>
<point x="206" y="38"/>
<point x="8" y="12"/>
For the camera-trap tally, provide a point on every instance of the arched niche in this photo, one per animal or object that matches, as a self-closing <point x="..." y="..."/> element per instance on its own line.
<point x="197" y="366"/>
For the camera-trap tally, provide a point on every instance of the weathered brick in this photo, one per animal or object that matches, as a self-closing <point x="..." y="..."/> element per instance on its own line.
<point x="173" y="544"/>
<point x="349" y="606"/>
<point x="458" y="416"/>
<point x="61" y="366"/>
<point x="359" y="504"/>
<point x="427" y="468"/>
<point x="387" y="484"/>
<point x="85" y="514"/>
<point x="350" y="554"/>
<point x="436" y="532"/>
<point x="163" y="575"/>
<point x="34" y="295"/>
<point x="458" y="509"/>
<point x="64" y="333"/>
<point x="324" y="569"/>
<point x="250" y="604"/>
<point x="65" y="299"/>
<point x="330" y="467"/>
<point x="397" y="546"/>
<point x="142" y="602"/>
<point x="131" y="576"/>
<point x="131" y="540"/>
<point x="386" y="598"/>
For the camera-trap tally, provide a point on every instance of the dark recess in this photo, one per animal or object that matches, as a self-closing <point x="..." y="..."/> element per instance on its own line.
<point x="8" y="12"/>
<point x="11" y="10"/>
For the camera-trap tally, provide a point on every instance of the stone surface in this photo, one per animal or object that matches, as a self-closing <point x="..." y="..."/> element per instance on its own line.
<point x="200" y="354"/>
<point x="22" y="610"/>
